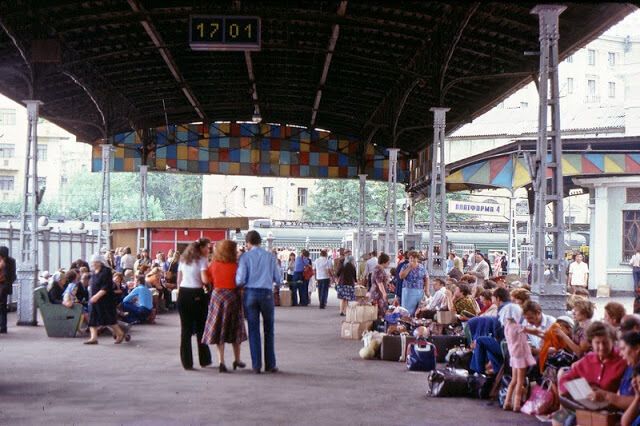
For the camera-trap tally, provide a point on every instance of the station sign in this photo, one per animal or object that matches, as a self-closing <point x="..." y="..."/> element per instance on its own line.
<point x="470" y="207"/>
<point x="224" y="33"/>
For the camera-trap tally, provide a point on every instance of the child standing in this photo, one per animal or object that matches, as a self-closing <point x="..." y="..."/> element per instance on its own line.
<point x="520" y="359"/>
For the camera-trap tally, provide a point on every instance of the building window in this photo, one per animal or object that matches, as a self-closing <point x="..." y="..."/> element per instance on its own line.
<point x="591" y="55"/>
<point x="243" y="195"/>
<point x="591" y="91"/>
<point x="570" y="59"/>
<point x="612" y="58"/>
<point x="7" y="150"/>
<point x="524" y="105"/>
<point x="569" y="85"/>
<point x="267" y="196"/>
<point x="7" y="183"/>
<point x="633" y="195"/>
<point x="612" y="89"/>
<point x="42" y="152"/>
<point x="630" y="233"/>
<point x="42" y="182"/>
<point x="7" y="117"/>
<point x="302" y="197"/>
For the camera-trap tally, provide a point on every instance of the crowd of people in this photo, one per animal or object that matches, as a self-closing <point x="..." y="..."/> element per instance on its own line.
<point x="216" y="291"/>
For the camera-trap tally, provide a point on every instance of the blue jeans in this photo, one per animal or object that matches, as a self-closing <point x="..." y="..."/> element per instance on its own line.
<point x="302" y="288"/>
<point x="323" y="292"/>
<point x="411" y="297"/>
<point x="487" y="348"/>
<point x="636" y="281"/>
<point x="136" y="313"/>
<point x="259" y="301"/>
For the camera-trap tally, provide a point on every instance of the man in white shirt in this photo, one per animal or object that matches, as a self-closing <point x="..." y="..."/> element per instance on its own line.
<point x="323" y="268"/>
<point x="635" y="265"/>
<point x="534" y="318"/>
<point x="578" y="273"/>
<point x="370" y="266"/>
<point x="439" y="299"/>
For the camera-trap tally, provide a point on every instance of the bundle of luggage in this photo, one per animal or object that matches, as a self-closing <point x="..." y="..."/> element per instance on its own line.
<point x="359" y="319"/>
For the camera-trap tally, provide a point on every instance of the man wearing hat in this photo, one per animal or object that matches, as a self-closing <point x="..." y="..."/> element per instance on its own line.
<point x="7" y="278"/>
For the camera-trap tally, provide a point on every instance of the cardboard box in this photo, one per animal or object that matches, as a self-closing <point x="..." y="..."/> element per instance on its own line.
<point x="360" y="291"/>
<point x="354" y="330"/>
<point x="596" y="418"/>
<point x="285" y="297"/>
<point x="361" y="313"/>
<point x="445" y="317"/>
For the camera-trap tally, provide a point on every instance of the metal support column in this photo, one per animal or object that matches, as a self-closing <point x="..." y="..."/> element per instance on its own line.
<point x="144" y="211"/>
<point x="410" y="216"/>
<point x="362" y="219"/>
<point x="438" y="194"/>
<point x="104" y="228"/>
<point x="31" y="197"/>
<point x="391" y="247"/>
<point x="549" y="287"/>
<point x="512" y="259"/>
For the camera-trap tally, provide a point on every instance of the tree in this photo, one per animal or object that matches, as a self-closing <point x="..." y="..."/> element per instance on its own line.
<point x="182" y="194"/>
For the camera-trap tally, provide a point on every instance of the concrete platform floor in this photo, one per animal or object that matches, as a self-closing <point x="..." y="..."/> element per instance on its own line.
<point x="322" y="381"/>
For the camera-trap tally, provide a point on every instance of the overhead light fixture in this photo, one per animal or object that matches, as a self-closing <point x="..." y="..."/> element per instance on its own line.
<point x="256" y="118"/>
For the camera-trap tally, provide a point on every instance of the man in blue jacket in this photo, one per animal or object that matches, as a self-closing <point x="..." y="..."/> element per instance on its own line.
<point x="257" y="271"/>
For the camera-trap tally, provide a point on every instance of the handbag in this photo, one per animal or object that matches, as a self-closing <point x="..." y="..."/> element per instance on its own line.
<point x="561" y="359"/>
<point x="421" y="356"/>
<point x="542" y="400"/>
<point x="447" y="383"/>
<point x="307" y="272"/>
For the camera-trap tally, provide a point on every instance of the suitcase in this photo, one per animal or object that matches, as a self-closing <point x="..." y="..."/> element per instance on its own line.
<point x="444" y="344"/>
<point x="285" y="297"/>
<point x="391" y="347"/>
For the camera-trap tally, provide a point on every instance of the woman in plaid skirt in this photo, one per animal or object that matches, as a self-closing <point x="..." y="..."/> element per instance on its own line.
<point x="225" y="321"/>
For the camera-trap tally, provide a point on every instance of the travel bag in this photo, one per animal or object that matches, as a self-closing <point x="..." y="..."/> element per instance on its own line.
<point x="444" y="344"/>
<point x="421" y="356"/>
<point x="447" y="383"/>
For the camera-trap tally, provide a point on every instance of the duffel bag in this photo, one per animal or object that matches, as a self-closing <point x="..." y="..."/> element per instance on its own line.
<point x="445" y="343"/>
<point x="480" y="386"/>
<point x="421" y="357"/>
<point x="447" y="383"/>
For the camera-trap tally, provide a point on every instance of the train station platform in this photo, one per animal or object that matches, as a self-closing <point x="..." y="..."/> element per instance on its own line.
<point x="322" y="381"/>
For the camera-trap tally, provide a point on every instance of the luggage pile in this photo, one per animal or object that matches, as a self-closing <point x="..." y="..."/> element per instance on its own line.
<point x="359" y="319"/>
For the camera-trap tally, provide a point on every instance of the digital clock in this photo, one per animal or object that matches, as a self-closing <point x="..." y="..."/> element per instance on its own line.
<point x="210" y="33"/>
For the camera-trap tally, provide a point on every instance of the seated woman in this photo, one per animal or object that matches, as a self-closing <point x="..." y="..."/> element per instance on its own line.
<point x="602" y="368"/>
<point x="613" y="314"/>
<point x="488" y="308"/>
<point x="630" y="350"/>
<point x="57" y="288"/>
<point x="70" y="299"/>
<point x="582" y="314"/>
<point x="119" y="287"/>
<point x="461" y="302"/>
<point x="631" y="416"/>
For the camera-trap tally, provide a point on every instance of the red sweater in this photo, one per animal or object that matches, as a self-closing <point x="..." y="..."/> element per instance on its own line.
<point x="605" y="375"/>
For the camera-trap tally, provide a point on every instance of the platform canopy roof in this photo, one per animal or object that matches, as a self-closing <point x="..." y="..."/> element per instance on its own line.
<point x="103" y="67"/>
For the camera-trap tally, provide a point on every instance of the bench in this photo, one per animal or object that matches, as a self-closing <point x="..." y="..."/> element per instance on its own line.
<point x="59" y="321"/>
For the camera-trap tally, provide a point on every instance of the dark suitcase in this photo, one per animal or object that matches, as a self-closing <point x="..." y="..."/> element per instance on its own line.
<point x="447" y="383"/>
<point x="444" y="344"/>
<point x="391" y="348"/>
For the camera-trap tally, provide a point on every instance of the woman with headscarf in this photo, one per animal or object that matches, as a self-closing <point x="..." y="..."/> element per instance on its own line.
<point x="347" y="278"/>
<point x="102" y="304"/>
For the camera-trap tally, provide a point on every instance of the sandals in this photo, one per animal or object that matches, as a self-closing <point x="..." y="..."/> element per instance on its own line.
<point x="90" y="342"/>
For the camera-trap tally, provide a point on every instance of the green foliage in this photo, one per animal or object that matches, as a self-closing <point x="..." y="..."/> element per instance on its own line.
<point x="170" y="196"/>
<point x="336" y="200"/>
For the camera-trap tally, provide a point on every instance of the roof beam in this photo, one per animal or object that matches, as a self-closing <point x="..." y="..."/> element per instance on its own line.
<point x="252" y="83"/>
<point x="156" y="38"/>
<point x="335" y="32"/>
